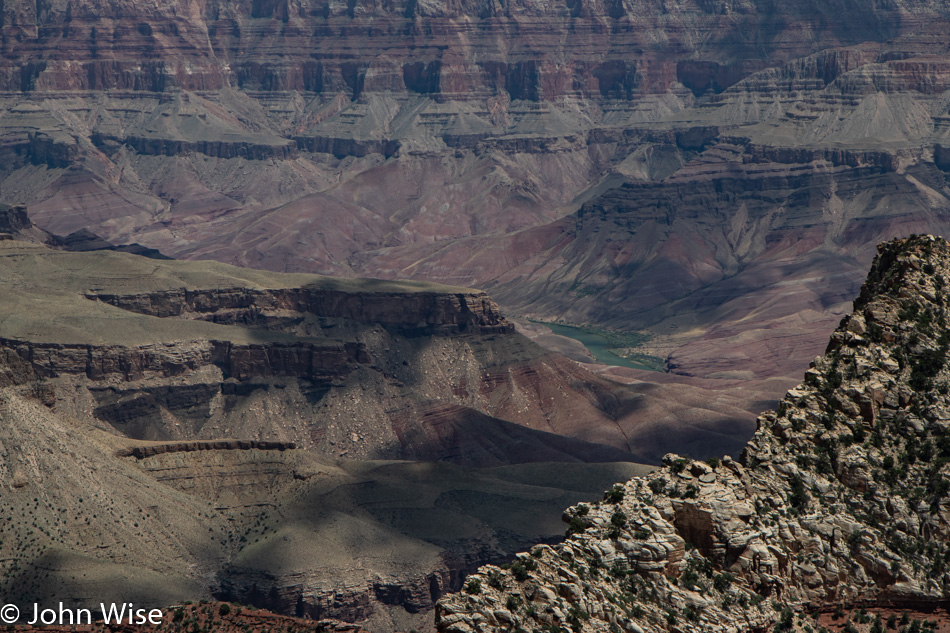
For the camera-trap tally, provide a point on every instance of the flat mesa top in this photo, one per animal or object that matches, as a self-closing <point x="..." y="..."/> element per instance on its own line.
<point x="44" y="300"/>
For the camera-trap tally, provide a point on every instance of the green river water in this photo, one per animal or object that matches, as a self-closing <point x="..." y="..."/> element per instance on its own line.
<point x="602" y="343"/>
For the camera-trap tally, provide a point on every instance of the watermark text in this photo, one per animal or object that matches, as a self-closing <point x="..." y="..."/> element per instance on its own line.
<point x="111" y="613"/>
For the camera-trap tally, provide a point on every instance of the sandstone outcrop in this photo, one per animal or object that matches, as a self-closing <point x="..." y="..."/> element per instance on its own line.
<point x="840" y="498"/>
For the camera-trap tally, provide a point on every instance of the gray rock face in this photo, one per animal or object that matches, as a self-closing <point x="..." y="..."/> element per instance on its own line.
<point x="840" y="497"/>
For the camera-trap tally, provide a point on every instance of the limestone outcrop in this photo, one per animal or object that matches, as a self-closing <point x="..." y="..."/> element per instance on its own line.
<point x="842" y="496"/>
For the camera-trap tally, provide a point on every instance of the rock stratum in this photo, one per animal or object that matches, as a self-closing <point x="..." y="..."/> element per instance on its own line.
<point x="324" y="448"/>
<point x="716" y="174"/>
<point x="840" y="498"/>
<point x="178" y="351"/>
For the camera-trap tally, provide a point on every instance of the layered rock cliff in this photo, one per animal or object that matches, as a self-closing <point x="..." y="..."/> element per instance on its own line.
<point x="454" y="142"/>
<point x="450" y="51"/>
<point x="225" y="417"/>
<point x="173" y="351"/>
<point x="418" y="312"/>
<point x="840" y="497"/>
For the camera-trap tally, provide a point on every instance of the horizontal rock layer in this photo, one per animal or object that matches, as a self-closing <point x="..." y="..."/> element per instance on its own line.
<point x="428" y="312"/>
<point x="102" y="362"/>
<point x="141" y="452"/>
<point x="472" y="49"/>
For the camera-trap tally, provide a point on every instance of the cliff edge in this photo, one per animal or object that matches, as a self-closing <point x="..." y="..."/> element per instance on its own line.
<point x="840" y="498"/>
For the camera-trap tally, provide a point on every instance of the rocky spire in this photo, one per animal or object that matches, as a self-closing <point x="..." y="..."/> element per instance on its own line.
<point x="841" y="496"/>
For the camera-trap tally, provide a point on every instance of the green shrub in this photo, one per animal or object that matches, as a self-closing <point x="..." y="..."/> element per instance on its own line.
<point x="855" y="540"/>
<point x="494" y="579"/>
<point x="473" y="586"/>
<point x="908" y="312"/>
<point x="798" y="497"/>
<point x="519" y="571"/>
<point x="877" y="626"/>
<point x="786" y="621"/>
<point x="722" y="581"/>
<point x="689" y="578"/>
<point x="614" y="495"/>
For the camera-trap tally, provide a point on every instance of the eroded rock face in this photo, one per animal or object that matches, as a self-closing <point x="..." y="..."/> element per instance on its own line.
<point x="141" y="452"/>
<point x="418" y="313"/>
<point x="349" y="368"/>
<point x="280" y="417"/>
<point x="452" y="51"/>
<point x="377" y="374"/>
<point x="840" y="497"/>
<point x="452" y="142"/>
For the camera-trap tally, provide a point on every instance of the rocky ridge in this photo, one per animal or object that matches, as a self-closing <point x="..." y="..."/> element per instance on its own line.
<point x="840" y="498"/>
<point x="417" y="313"/>
<point x="141" y="452"/>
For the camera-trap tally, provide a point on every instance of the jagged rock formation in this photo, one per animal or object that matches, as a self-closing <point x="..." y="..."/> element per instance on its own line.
<point x="841" y="497"/>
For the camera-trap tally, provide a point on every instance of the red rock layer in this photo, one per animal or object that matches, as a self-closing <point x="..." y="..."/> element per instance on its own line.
<point x="456" y="50"/>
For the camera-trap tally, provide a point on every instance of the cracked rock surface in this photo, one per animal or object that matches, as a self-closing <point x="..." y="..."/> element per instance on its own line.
<point x="840" y="497"/>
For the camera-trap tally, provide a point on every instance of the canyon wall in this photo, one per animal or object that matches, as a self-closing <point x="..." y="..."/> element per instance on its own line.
<point x="471" y="50"/>
<point x="479" y="144"/>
